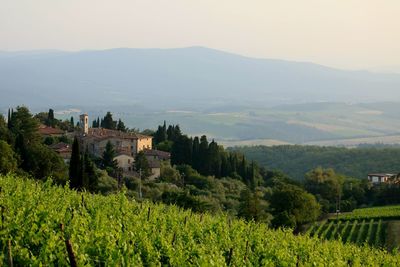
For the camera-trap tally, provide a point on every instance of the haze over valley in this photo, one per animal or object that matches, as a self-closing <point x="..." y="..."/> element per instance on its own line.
<point x="237" y="100"/>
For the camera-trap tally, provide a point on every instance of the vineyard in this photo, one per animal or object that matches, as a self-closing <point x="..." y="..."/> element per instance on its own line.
<point x="371" y="232"/>
<point x="386" y="213"/>
<point x="42" y="224"/>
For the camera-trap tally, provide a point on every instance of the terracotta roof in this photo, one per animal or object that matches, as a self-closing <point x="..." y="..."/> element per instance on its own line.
<point x="154" y="164"/>
<point x="61" y="147"/>
<point x="45" y="130"/>
<point x="102" y="133"/>
<point x="160" y="154"/>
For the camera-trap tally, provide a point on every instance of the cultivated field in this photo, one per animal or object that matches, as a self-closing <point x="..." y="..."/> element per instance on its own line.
<point x="44" y="225"/>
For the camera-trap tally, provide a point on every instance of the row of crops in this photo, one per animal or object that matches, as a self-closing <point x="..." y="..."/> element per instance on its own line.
<point x="53" y="226"/>
<point x="385" y="212"/>
<point x="371" y="232"/>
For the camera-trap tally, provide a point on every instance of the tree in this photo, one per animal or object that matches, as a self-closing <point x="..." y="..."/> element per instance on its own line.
<point x="75" y="166"/>
<point x="50" y="118"/>
<point x="8" y="159"/>
<point x="290" y="201"/>
<point x="22" y="122"/>
<point x="142" y="165"/>
<point x="203" y="156"/>
<point x="196" y="153"/>
<point x="327" y="185"/>
<point x="181" y="151"/>
<point x="71" y="121"/>
<point x="214" y="159"/>
<point x="90" y="178"/>
<point x="43" y="162"/>
<point x="108" y="122"/>
<point x="253" y="206"/>
<point x="121" y="126"/>
<point x="4" y="133"/>
<point x="108" y="157"/>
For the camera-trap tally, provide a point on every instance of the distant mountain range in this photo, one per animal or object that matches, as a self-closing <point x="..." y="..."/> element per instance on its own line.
<point x="183" y="77"/>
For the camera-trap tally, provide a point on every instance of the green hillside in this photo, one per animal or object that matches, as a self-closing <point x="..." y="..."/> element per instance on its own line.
<point x="40" y="221"/>
<point x="297" y="160"/>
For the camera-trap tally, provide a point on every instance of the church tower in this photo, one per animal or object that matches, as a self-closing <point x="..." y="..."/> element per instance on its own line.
<point x="84" y="123"/>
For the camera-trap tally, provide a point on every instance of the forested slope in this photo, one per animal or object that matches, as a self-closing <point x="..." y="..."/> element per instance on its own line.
<point x="296" y="160"/>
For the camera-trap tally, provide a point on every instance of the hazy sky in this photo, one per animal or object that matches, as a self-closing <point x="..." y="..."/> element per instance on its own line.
<point x="341" y="33"/>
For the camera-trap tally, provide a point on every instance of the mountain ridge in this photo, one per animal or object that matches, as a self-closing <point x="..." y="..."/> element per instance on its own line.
<point x="180" y="76"/>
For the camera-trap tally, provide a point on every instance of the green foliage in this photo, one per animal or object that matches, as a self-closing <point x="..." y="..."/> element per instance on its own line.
<point x="292" y="203"/>
<point x="253" y="206"/>
<point x="364" y="232"/>
<point x="22" y="123"/>
<point x="297" y="160"/>
<point x="170" y="174"/>
<point x="385" y="212"/>
<point x="114" y="231"/>
<point x="142" y="165"/>
<point x="108" y="157"/>
<point x="121" y="126"/>
<point x="43" y="162"/>
<point x="106" y="184"/>
<point x="8" y="159"/>
<point x="108" y="123"/>
<point x="75" y="166"/>
<point x="4" y="133"/>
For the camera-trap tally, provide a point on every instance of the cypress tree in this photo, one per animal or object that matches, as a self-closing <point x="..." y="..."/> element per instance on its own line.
<point x="50" y="118"/>
<point x="170" y="133"/>
<point x="72" y="121"/>
<point x="214" y="159"/>
<point x="89" y="177"/>
<point x="98" y="122"/>
<point x="203" y="155"/>
<point x="8" y="117"/>
<point x="196" y="153"/>
<point x="75" y="166"/>
<point x="108" y="156"/>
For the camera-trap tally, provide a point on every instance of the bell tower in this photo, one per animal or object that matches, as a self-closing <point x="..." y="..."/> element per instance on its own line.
<point x="84" y="123"/>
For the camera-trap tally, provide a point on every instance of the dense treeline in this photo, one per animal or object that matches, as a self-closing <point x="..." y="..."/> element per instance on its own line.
<point x="296" y="160"/>
<point x="206" y="169"/>
<point x="207" y="158"/>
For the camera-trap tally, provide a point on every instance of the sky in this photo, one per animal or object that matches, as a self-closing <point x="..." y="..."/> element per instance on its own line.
<point x="348" y="34"/>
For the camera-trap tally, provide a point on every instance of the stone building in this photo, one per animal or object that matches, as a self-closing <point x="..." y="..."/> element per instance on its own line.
<point x="126" y="145"/>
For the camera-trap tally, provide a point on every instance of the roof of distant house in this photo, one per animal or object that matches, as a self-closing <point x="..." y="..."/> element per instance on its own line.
<point x="46" y="130"/>
<point x="160" y="154"/>
<point x="102" y="133"/>
<point x="381" y="174"/>
<point x="61" y="147"/>
<point x="123" y="153"/>
<point x="154" y="164"/>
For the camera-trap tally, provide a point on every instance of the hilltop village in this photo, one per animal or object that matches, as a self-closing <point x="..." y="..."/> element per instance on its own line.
<point x="94" y="140"/>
